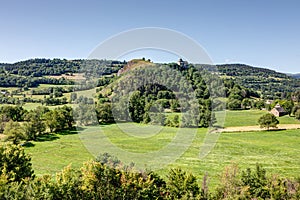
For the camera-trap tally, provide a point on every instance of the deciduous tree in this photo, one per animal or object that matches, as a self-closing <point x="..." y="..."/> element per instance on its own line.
<point x="268" y="120"/>
<point x="15" y="165"/>
<point x="14" y="132"/>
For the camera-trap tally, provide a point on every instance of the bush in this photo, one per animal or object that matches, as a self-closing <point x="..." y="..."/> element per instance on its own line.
<point x="14" y="164"/>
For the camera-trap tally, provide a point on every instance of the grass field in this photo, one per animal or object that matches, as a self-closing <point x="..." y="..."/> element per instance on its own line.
<point x="250" y="118"/>
<point x="75" y="76"/>
<point x="32" y="106"/>
<point x="9" y="89"/>
<point x="278" y="151"/>
<point x="54" y="152"/>
<point x="51" y="85"/>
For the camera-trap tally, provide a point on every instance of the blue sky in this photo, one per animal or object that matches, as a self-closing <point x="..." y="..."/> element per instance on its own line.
<point x="260" y="33"/>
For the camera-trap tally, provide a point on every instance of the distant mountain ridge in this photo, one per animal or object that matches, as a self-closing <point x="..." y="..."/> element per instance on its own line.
<point x="297" y="75"/>
<point x="247" y="70"/>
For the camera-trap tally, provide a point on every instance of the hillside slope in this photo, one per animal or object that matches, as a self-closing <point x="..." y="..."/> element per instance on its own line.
<point x="269" y="83"/>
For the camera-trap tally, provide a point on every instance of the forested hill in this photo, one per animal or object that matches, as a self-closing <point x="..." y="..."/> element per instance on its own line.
<point x="270" y="83"/>
<point x="247" y="70"/>
<point x="31" y="73"/>
<point x="41" y="67"/>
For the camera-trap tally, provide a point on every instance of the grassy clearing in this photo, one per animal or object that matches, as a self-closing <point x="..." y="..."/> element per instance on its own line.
<point x="75" y="76"/>
<point x="288" y="120"/>
<point x="54" y="152"/>
<point x="51" y="85"/>
<point x="87" y="93"/>
<point x="9" y="89"/>
<point x="278" y="151"/>
<point x="32" y="106"/>
<point x="250" y="118"/>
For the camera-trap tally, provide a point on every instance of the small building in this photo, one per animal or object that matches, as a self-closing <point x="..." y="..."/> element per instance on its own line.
<point x="4" y="92"/>
<point x="278" y="111"/>
<point x="183" y="63"/>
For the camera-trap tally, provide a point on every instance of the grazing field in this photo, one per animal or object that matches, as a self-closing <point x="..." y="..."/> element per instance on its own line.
<point x="250" y="118"/>
<point x="32" y="106"/>
<point x="51" y="85"/>
<point x="87" y="93"/>
<point x="9" y="89"/>
<point x="75" y="76"/>
<point x="278" y="151"/>
<point x="53" y="152"/>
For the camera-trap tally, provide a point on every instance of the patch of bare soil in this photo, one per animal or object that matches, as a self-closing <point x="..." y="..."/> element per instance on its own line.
<point x="257" y="128"/>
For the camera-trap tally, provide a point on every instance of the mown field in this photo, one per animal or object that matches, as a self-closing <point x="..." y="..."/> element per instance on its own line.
<point x="278" y="151"/>
<point x="250" y="118"/>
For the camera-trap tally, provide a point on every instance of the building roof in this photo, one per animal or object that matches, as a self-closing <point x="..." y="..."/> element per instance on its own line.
<point x="279" y="108"/>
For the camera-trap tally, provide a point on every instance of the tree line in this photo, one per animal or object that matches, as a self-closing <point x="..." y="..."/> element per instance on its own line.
<point x="18" y="124"/>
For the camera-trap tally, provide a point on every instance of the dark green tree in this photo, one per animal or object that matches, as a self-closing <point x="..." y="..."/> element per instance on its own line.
<point x="14" y="132"/>
<point x="34" y="125"/>
<point x="104" y="113"/>
<point x="268" y="120"/>
<point x="297" y="114"/>
<point x="67" y="113"/>
<point x="136" y="107"/>
<point x="55" y="120"/>
<point x="234" y="104"/>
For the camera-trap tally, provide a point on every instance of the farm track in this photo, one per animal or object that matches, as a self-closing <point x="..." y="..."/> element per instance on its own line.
<point x="257" y="128"/>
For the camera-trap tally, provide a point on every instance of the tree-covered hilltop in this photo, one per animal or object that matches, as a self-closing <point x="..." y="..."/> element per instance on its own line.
<point x="41" y="67"/>
<point x="158" y="88"/>
<point x="269" y="83"/>
<point x="31" y="73"/>
<point x="243" y="84"/>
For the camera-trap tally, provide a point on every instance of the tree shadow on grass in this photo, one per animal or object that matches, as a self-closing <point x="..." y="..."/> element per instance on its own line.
<point x="27" y="144"/>
<point x="110" y="123"/>
<point x="47" y="137"/>
<point x="277" y="129"/>
<point x="72" y="131"/>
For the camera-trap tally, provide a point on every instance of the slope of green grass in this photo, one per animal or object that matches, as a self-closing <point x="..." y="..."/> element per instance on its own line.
<point x="56" y="151"/>
<point x="32" y="106"/>
<point x="278" y="151"/>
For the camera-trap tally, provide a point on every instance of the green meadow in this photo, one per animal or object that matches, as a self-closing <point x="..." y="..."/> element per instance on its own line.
<point x="250" y="118"/>
<point x="278" y="151"/>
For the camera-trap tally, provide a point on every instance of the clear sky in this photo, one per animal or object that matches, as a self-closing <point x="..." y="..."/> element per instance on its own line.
<point x="263" y="33"/>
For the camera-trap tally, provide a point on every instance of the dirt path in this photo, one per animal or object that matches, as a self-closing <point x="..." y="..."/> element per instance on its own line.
<point x="257" y="128"/>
